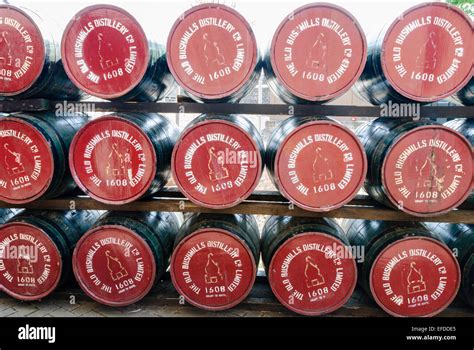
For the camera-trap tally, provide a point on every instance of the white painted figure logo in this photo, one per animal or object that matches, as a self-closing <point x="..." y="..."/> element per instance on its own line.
<point x="212" y="270"/>
<point x="217" y="170"/>
<point x="428" y="174"/>
<point x="317" y="54"/>
<point x="212" y="52"/>
<point x="24" y="265"/>
<point x="115" y="267"/>
<point x="312" y="273"/>
<point x="13" y="161"/>
<point x="105" y="50"/>
<point x="321" y="170"/>
<point x="416" y="284"/>
<point x="426" y="58"/>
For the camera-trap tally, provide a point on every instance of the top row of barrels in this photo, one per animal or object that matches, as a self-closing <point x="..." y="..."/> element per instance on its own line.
<point x="317" y="53"/>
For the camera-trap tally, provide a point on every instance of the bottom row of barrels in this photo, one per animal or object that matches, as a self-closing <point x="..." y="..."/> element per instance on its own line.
<point x="312" y="264"/>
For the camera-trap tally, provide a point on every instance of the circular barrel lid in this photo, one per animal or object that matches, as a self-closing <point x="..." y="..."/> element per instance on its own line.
<point x="105" y="51"/>
<point x="428" y="170"/>
<point x="318" y="51"/>
<point x="427" y="52"/>
<point x="30" y="262"/>
<point x="216" y="164"/>
<point x="22" y="52"/>
<point x="312" y="273"/>
<point x="320" y="166"/>
<point x="112" y="160"/>
<point x="114" y="265"/>
<point x="213" y="269"/>
<point x="415" y="276"/>
<point x="212" y="51"/>
<point x="27" y="162"/>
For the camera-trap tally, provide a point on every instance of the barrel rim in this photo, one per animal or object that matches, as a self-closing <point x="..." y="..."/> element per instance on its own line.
<point x="399" y="18"/>
<point x="49" y="180"/>
<point x="390" y="149"/>
<point x="199" y="202"/>
<point x="55" y="250"/>
<point x="42" y="59"/>
<point x="246" y="249"/>
<point x="283" y="190"/>
<point x="78" y="273"/>
<point x="291" y="307"/>
<point x="255" y="55"/>
<point x="356" y="76"/>
<point x="411" y="238"/>
<point x="64" y="55"/>
<point x="77" y="180"/>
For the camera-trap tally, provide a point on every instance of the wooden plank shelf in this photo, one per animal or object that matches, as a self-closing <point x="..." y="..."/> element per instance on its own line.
<point x="261" y="202"/>
<point x="7" y="106"/>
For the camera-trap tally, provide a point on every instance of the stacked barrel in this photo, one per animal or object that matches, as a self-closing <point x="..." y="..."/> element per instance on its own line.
<point x="213" y="54"/>
<point x="425" y="55"/>
<point x="316" y="162"/>
<point x="407" y="269"/>
<point x="218" y="160"/>
<point x="317" y="53"/>
<point x="121" y="157"/>
<point x="30" y="57"/>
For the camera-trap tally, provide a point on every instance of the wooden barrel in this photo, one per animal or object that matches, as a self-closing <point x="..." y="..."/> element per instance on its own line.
<point x="466" y="94"/>
<point x="107" y="54"/>
<point x="36" y="249"/>
<point x="460" y="238"/>
<point x="7" y="213"/>
<point x="121" y="157"/>
<point x="420" y="167"/>
<point x="406" y="268"/>
<point x="213" y="54"/>
<point x="425" y="55"/>
<point x="218" y="160"/>
<point x="215" y="259"/>
<point x="30" y="57"/>
<point x="33" y="152"/>
<point x="315" y="162"/>
<point x="317" y="53"/>
<point x="308" y="262"/>
<point x="123" y="255"/>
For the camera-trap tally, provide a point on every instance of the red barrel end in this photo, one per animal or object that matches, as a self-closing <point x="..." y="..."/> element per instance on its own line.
<point x="213" y="269"/>
<point x="114" y="265"/>
<point x="112" y="160"/>
<point x="216" y="163"/>
<point x="30" y="262"/>
<point x="28" y="162"/>
<point x="415" y="277"/>
<point x="21" y="51"/>
<point x="312" y="273"/>
<point x="317" y="53"/>
<point x="320" y="166"/>
<point x="105" y="51"/>
<point x="427" y="52"/>
<point x="212" y="52"/>
<point x="428" y="170"/>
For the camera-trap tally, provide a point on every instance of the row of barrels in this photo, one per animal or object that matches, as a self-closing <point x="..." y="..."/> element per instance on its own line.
<point x="418" y="166"/>
<point x="317" y="53"/>
<point x="312" y="264"/>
